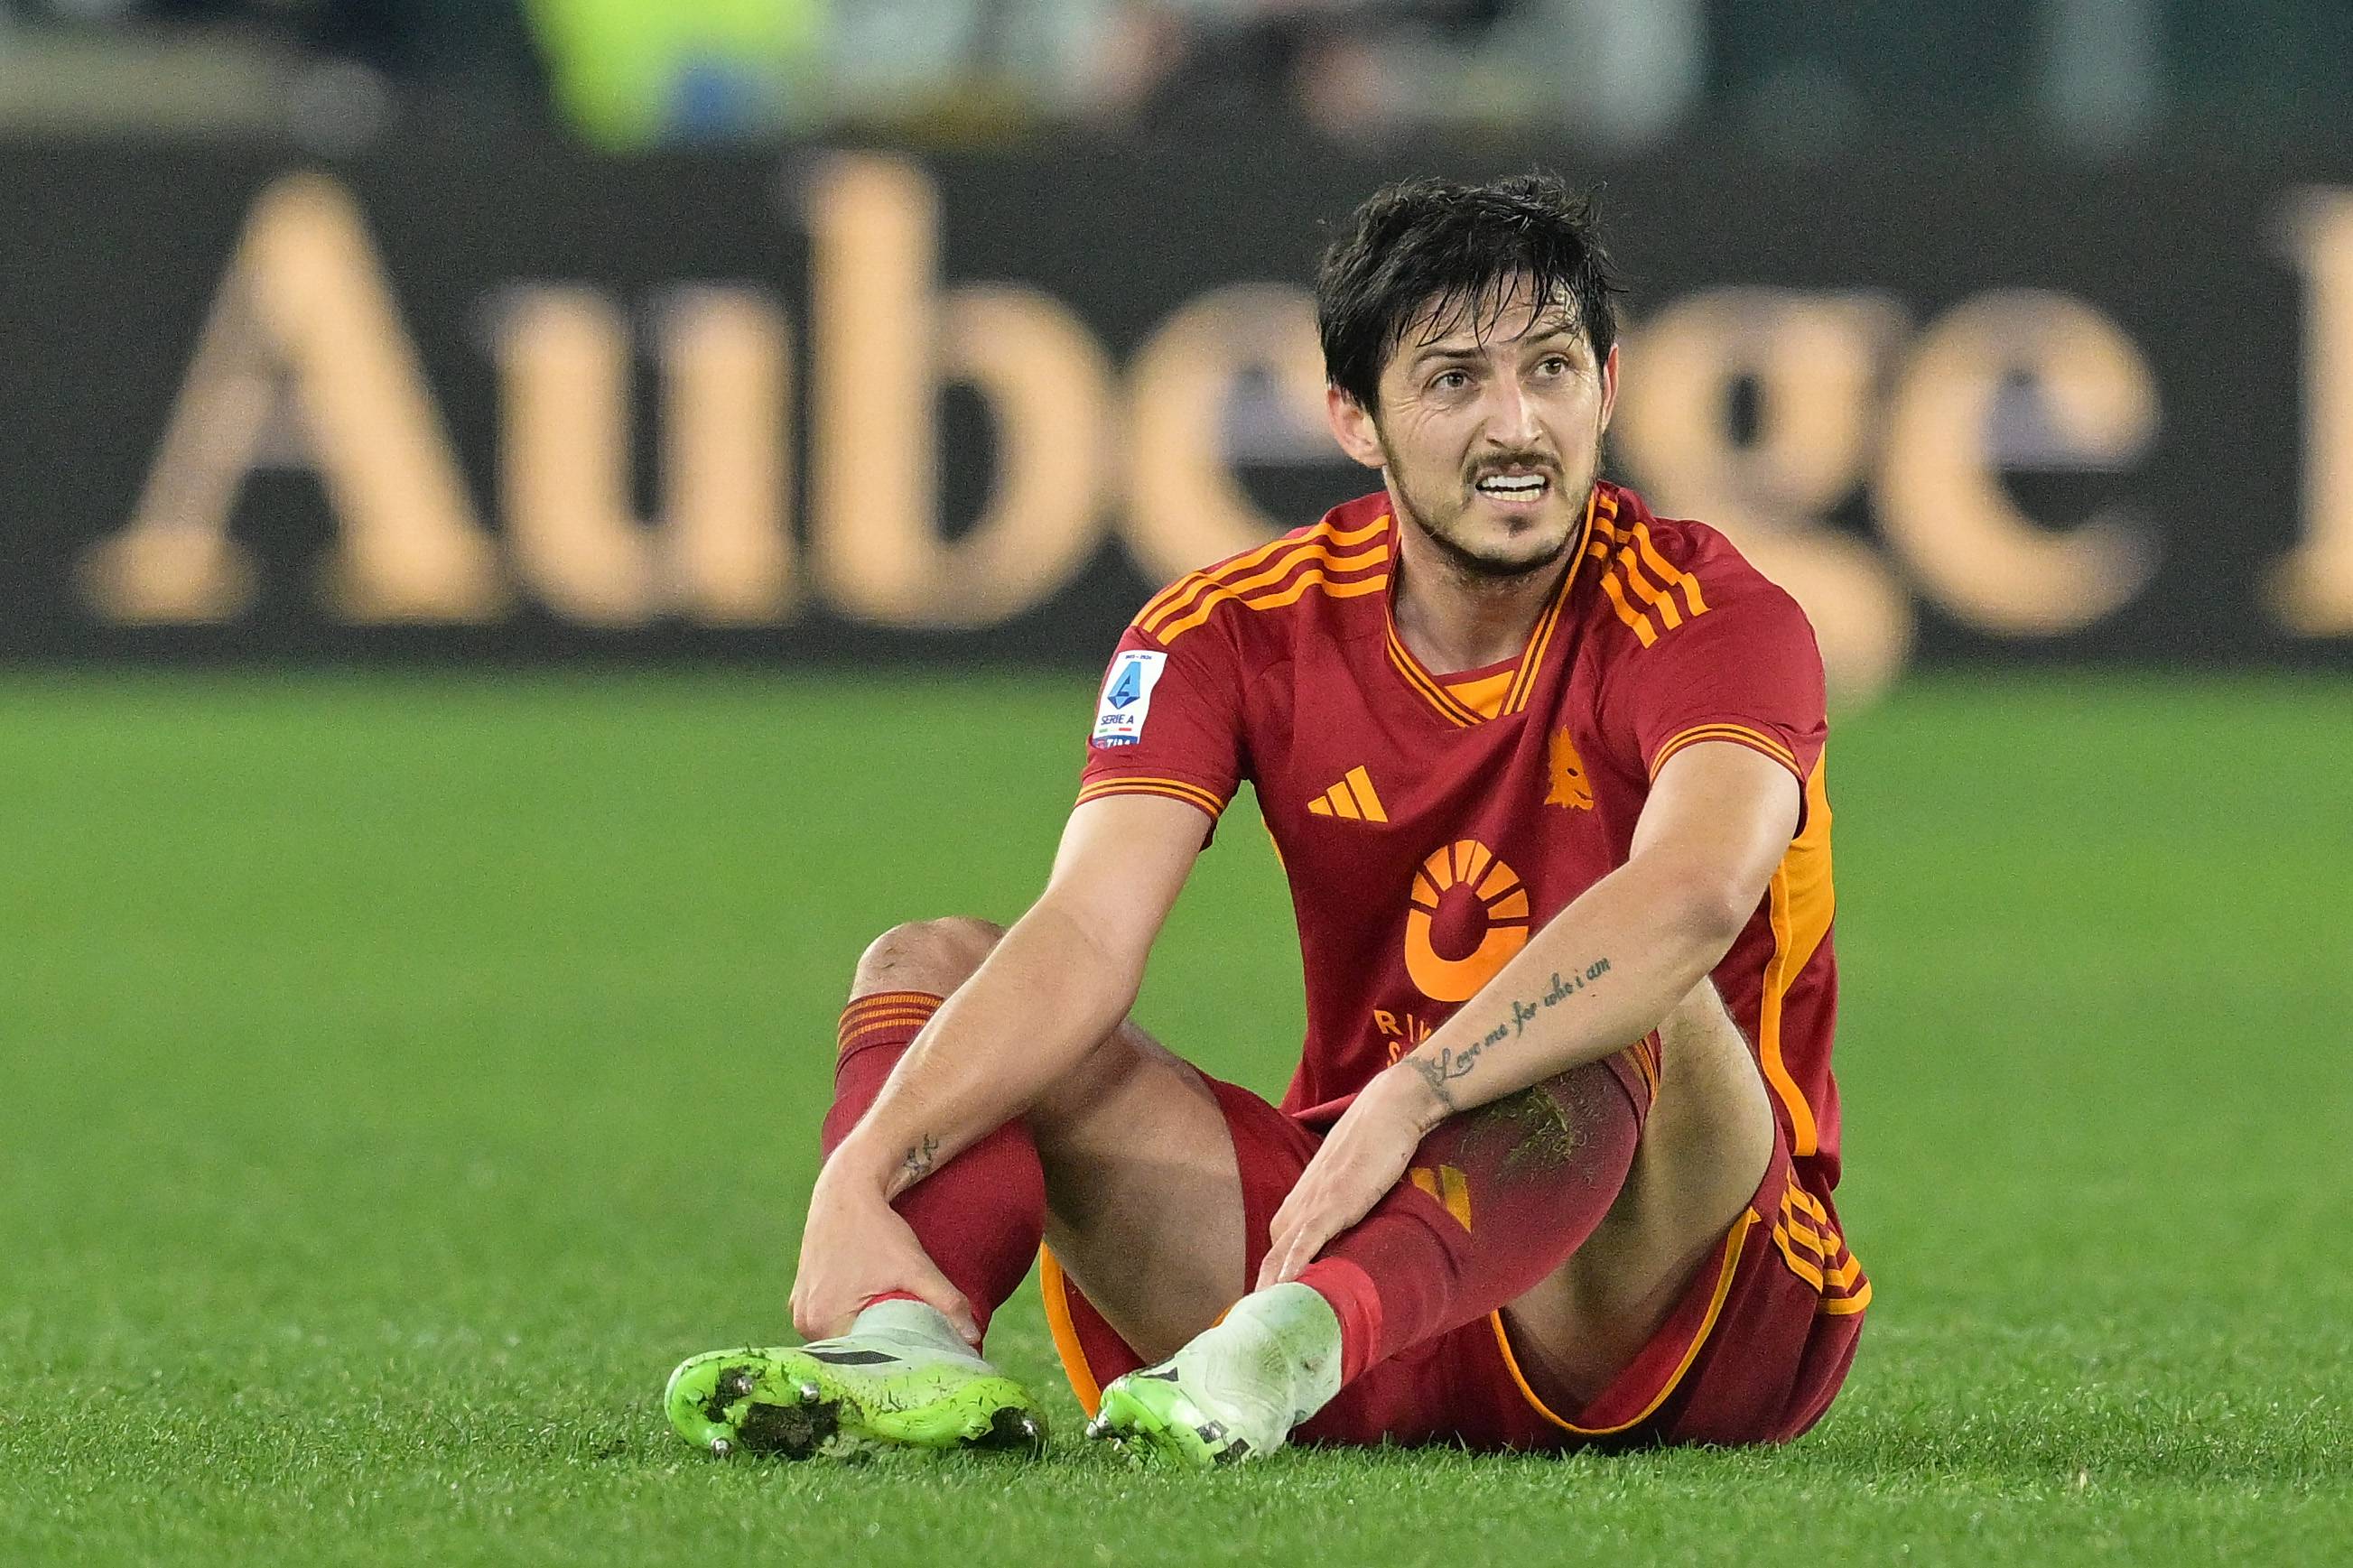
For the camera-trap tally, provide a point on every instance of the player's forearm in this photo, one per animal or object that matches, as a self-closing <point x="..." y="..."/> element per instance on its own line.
<point x="1045" y="997"/>
<point x="1603" y="973"/>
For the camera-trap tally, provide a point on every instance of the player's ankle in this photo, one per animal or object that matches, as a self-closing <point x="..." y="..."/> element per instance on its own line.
<point x="1301" y="1336"/>
<point x="1355" y="1301"/>
<point x="907" y="1320"/>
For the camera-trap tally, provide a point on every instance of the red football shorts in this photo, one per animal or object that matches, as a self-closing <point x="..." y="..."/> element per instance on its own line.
<point x="1753" y="1353"/>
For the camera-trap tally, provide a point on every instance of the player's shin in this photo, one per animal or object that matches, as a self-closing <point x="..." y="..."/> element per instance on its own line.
<point x="1497" y="1199"/>
<point x="903" y="1374"/>
<point x="980" y="1216"/>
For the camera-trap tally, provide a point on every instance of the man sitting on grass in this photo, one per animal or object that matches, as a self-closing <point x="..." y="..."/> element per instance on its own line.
<point x="1546" y="775"/>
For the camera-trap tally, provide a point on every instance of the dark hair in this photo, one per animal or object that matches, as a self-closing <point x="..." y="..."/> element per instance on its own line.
<point x="1424" y="244"/>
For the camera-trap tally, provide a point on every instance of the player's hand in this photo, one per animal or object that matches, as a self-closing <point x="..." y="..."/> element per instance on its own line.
<point x="856" y="1248"/>
<point x="1365" y="1155"/>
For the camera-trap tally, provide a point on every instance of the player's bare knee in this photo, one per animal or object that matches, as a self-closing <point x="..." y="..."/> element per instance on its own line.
<point x="934" y="955"/>
<point x="1697" y="1015"/>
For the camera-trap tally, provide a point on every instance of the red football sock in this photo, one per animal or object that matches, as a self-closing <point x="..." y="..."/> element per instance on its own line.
<point x="981" y="1216"/>
<point x="1496" y="1199"/>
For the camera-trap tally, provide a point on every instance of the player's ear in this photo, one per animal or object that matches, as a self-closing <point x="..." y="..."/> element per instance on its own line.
<point x="1609" y="386"/>
<point x="1352" y="426"/>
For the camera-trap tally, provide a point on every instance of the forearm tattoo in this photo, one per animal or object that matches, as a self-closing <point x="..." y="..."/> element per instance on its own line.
<point x="1450" y="1066"/>
<point x="1435" y="1074"/>
<point x="918" y="1158"/>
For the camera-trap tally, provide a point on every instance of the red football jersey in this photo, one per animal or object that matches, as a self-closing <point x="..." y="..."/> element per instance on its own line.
<point x="1429" y="824"/>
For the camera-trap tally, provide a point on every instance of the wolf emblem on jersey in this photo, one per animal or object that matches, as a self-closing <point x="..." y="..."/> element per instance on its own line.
<point x="1569" y="785"/>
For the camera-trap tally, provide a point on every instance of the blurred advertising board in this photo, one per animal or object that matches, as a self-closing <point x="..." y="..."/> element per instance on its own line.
<point x="483" y="401"/>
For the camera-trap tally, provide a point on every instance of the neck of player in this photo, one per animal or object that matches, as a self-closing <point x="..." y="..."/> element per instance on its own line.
<point x="1455" y="620"/>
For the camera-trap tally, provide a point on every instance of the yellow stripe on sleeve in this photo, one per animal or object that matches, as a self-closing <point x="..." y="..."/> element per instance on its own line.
<point x="1672" y="575"/>
<point x="1739" y="734"/>
<point x="1643" y="631"/>
<point x="1233" y="577"/>
<point x="1662" y="602"/>
<point x="1174" y="789"/>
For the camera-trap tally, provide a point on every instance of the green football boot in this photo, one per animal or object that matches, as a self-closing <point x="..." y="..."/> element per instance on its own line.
<point x="1235" y="1391"/>
<point x="900" y="1379"/>
<point x="1150" y="1416"/>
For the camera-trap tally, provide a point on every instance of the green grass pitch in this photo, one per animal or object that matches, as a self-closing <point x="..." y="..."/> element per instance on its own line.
<point x="401" y="1075"/>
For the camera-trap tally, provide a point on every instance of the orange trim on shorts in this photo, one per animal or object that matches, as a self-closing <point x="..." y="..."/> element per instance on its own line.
<point x="1812" y="1249"/>
<point x="1726" y="1271"/>
<point x="1646" y="1058"/>
<point x="1841" y="1306"/>
<point x="1056" y="1290"/>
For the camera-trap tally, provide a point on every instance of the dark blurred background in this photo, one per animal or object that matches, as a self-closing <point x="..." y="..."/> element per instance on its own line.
<point x="2089" y="75"/>
<point x="928" y="331"/>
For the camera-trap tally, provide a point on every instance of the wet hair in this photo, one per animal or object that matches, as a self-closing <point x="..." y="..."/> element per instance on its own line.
<point x="1449" y="254"/>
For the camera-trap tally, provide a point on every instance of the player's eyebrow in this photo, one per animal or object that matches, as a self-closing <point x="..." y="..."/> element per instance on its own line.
<point x="1457" y="352"/>
<point x="1436" y="352"/>
<point x="1556" y="330"/>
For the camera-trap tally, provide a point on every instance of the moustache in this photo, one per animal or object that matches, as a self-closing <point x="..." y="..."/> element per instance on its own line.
<point x="1518" y="462"/>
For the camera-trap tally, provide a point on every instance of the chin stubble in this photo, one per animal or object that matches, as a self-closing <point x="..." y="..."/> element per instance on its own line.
<point x="1470" y="563"/>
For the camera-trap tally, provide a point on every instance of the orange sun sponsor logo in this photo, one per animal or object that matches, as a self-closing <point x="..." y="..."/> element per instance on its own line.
<point x="1570" y="788"/>
<point x="1469" y="885"/>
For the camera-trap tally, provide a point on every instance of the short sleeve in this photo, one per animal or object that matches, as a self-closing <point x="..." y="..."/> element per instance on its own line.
<point x="1168" y="721"/>
<point x="1747" y="671"/>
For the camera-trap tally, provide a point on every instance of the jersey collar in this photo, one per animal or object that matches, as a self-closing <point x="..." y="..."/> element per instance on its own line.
<point x="1600" y="509"/>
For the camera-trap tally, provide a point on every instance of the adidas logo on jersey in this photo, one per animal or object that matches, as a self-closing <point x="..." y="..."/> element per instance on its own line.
<point x="1352" y="799"/>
